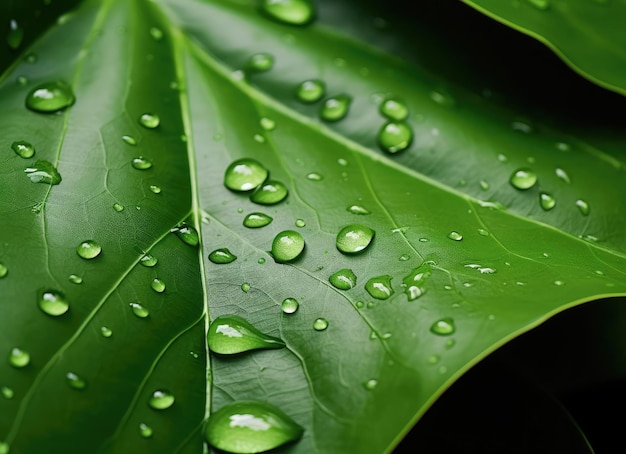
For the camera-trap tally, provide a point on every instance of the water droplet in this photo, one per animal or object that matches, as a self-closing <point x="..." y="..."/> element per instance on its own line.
<point x="149" y="120"/>
<point x="443" y="327"/>
<point x="311" y="91"/>
<point x="118" y="207"/>
<point x="442" y="98"/>
<point x="31" y="58"/>
<point x="245" y="175"/>
<point x="287" y="246"/>
<point x="260" y="62"/>
<point x="394" y="109"/>
<point x="156" y="33"/>
<point x="23" y="149"/>
<point x="456" y="236"/>
<point x="148" y="260"/>
<point x="370" y="384"/>
<point x="4" y="270"/>
<point x="357" y="209"/>
<point x="156" y="189"/>
<point x="354" y="238"/>
<point x="75" y="381"/>
<point x="259" y="138"/>
<point x="313" y="176"/>
<point x="106" y="332"/>
<point x="484" y="185"/>
<point x="22" y="80"/>
<point x="483" y="232"/>
<point x="344" y="279"/>
<point x="267" y="124"/>
<point x="540" y="4"/>
<point x="15" y="35"/>
<point x="523" y="179"/>
<point x="546" y="201"/>
<point x="250" y="426"/>
<point x="75" y="279"/>
<point x="289" y="305"/>
<point x="414" y="283"/>
<point x="292" y="12"/>
<point x="561" y="174"/>
<point x="187" y="233"/>
<point x="161" y="399"/>
<point x="522" y="126"/>
<point x="129" y="140"/>
<point x="232" y="334"/>
<point x="379" y="287"/>
<point x="335" y="108"/>
<point x="320" y="324"/>
<point x="52" y="302"/>
<point x="245" y="287"/>
<point x="19" y="358"/>
<point x="145" y="430"/>
<point x="222" y="256"/>
<point x="158" y="285"/>
<point x="270" y="193"/>
<point x="50" y="97"/>
<point x="394" y="137"/>
<point x="43" y="172"/>
<point x="559" y="283"/>
<point x="141" y="163"/>
<point x="583" y="207"/>
<point x="89" y="249"/>
<point x="261" y="261"/>
<point x="7" y="392"/>
<point x="4" y="448"/>
<point x="256" y="220"/>
<point x="139" y="310"/>
<point x="300" y="223"/>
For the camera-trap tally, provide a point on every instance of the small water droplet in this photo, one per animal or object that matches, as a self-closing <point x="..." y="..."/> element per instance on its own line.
<point x="222" y="256"/>
<point x="245" y="287"/>
<point x="559" y="283"/>
<point x="292" y="12"/>
<point x="245" y="175"/>
<point x="442" y="98"/>
<point x="31" y="58"/>
<point x="313" y="176"/>
<point x="311" y="91"/>
<point x="75" y="279"/>
<point x="118" y="207"/>
<point x="404" y="257"/>
<point x="289" y="305"/>
<point x="158" y="285"/>
<point x="7" y="392"/>
<point x="344" y="279"/>
<point x="149" y="120"/>
<point x="155" y="189"/>
<point x="43" y="172"/>
<point x="187" y="233"/>
<point x="443" y="327"/>
<point x="161" y="399"/>
<point x="19" y="358"/>
<point x="483" y="232"/>
<point x="320" y="324"/>
<point x="354" y="238"/>
<point x="523" y="179"/>
<point x="15" y="35"/>
<point x="267" y="124"/>
<point x="484" y="185"/>
<point x="250" y="426"/>
<point x="129" y="140"/>
<point x="22" y="80"/>
<point x="145" y="430"/>
<point x="379" y="287"/>
<point x="394" y="109"/>
<point x="4" y="270"/>
<point x="52" y="302"/>
<point x="75" y="381"/>
<point x="583" y="207"/>
<point x="106" y="332"/>
<point x="156" y="33"/>
<point x="50" y="97"/>
<point x="502" y="158"/>
<point x="270" y="193"/>
<point x="456" y="236"/>
<point x="415" y="282"/>
<point x="89" y="249"/>
<point x="261" y="261"/>
<point x="141" y="163"/>
<point x="522" y="126"/>
<point x="540" y="4"/>
<point x="139" y="310"/>
<point x="256" y="220"/>
<point x="394" y="137"/>
<point x="335" y="108"/>
<point x="546" y="201"/>
<point x="260" y="62"/>
<point x="287" y="246"/>
<point x="370" y="384"/>
<point x="23" y="149"/>
<point x="231" y="334"/>
<point x="148" y="260"/>
<point x="561" y="174"/>
<point x="590" y="238"/>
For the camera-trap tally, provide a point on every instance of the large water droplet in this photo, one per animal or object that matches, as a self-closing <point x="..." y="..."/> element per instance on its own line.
<point x="187" y="233"/>
<point x="43" y="172"/>
<point x="443" y="327"/>
<point x="344" y="279"/>
<point x="245" y="175"/>
<point x="256" y="220"/>
<point x="287" y="246"/>
<point x="320" y="324"/>
<point x="23" y="149"/>
<point x="149" y="120"/>
<point x="523" y="179"/>
<point x="52" y="302"/>
<point x="311" y="91"/>
<point x="50" y="97"/>
<point x="148" y="260"/>
<point x="546" y="201"/>
<point x="141" y="163"/>
<point x="145" y="430"/>
<point x="289" y="305"/>
<point x="414" y="283"/>
<point x="89" y="249"/>
<point x="222" y="256"/>
<point x="293" y="12"/>
<point x="260" y="62"/>
<point x="379" y="287"/>
<point x="394" y="137"/>
<point x="232" y="334"/>
<point x="270" y="193"/>
<point x="394" y="109"/>
<point x="75" y="381"/>
<point x="335" y="108"/>
<point x="161" y="399"/>
<point x="139" y="310"/>
<point x="4" y="270"/>
<point x="158" y="285"/>
<point x="354" y="238"/>
<point x="583" y="207"/>
<point x="250" y="427"/>
<point x="19" y="358"/>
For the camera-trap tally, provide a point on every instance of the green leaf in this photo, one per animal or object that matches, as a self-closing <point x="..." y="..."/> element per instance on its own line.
<point x="167" y="99"/>
<point x="586" y="34"/>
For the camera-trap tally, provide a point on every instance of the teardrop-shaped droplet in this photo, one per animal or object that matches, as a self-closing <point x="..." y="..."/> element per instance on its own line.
<point x="379" y="287"/>
<point x="260" y="62"/>
<point x="89" y="249"/>
<point x="269" y="193"/>
<point x="292" y="12"/>
<point x="43" y="172"/>
<point x="357" y="209"/>
<point x="289" y="305"/>
<point x="161" y="399"/>
<point x="523" y="179"/>
<point x="149" y="120"/>
<point x="583" y="207"/>
<point x="75" y="279"/>
<point x="456" y="236"/>
<point x="50" y="97"/>
<point x="23" y="149"/>
<point x="245" y="175"/>
<point x="344" y="279"/>
<point x="15" y="35"/>
<point x="187" y="233"/>
<point x="267" y="124"/>
<point x="546" y="201"/>
<point x="250" y="427"/>
<point x="562" y="175"/>
<point x="354" y="238"/>
<point x="145" y="430"/>
<point x="320" y="324"/>
<point x="75" y="381"/>
<point x="141" y="163"/>
<point x="232" y="334"/>
<point x="335" y="108"/>
<point x="415" y="282"/>
<point x="394" y="137"/>
<point x="52" y="302"/>
<point x="106" y="331"/>
<point x="158" y="285"/>
<point x="222" y="256"/>
<point x="287" y="246"/>
<point x="19" y="358"/>
<point x="148" y="260"/>
<point x="130" y="140"/>
<point x="311" y="91"/>
<point x="394" y="109"/>
<point x="139" y="310"/>
<point x="443" y="327"/>
<point x="314" y="176"/>
<point x="256" y="220"/>
<point x="4" y="270"/>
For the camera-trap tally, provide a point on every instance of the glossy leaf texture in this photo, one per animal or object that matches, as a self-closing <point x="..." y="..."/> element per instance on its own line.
<point x="168" y="96"/>
<point x="587" y="34"/>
